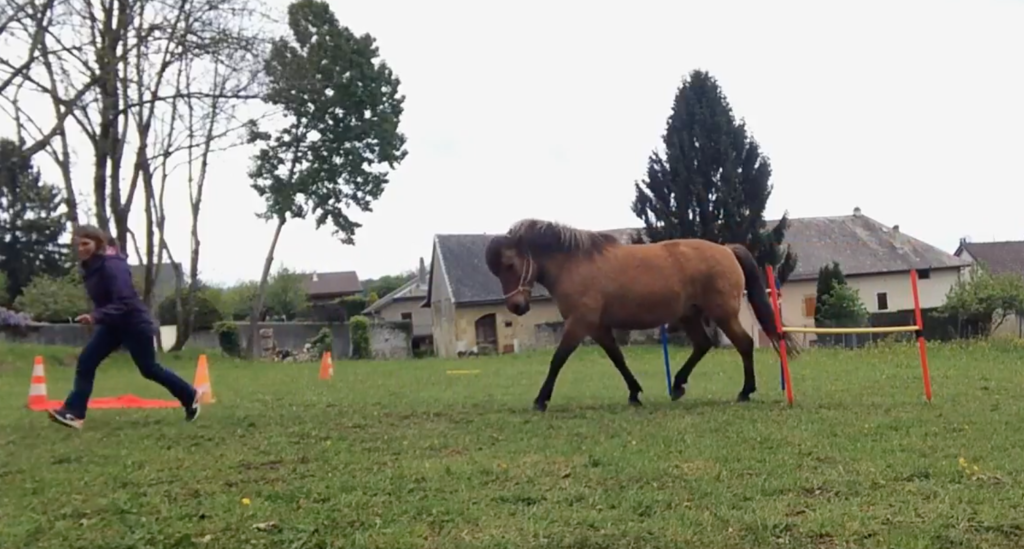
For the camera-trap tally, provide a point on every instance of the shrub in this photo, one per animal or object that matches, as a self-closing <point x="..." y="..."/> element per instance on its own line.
<point x="54" y="299"/>
<point x="354" y="305"/>
<point x="207" y="313"/>
<point x="228" y="338"/>
<point x="321" y="342"/>
<point x="359" y="328"/>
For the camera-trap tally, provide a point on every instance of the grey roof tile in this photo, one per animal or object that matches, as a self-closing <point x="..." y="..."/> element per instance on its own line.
<point x="860" y="245"/>
<point x="341" y="282"/>
<point x="999" y="257"/>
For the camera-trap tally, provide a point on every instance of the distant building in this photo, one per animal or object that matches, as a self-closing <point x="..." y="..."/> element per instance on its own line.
<point x="326" y="287"/>
<point x="876" y="260"/>
<point x="404" y="304"/>
<point x="999" y="258"/>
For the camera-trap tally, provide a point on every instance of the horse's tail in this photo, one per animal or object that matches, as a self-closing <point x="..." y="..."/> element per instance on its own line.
<point x="759" y="302"/>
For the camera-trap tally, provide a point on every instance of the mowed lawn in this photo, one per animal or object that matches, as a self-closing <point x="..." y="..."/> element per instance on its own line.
<point x="400" y="454"/>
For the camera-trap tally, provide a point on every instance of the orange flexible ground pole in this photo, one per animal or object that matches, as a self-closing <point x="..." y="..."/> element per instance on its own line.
<point x="920" y="338"/>
<point x="782" y="340"/>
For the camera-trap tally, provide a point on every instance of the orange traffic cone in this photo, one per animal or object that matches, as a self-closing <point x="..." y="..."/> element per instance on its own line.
<point x="326" y="366"/>
<point x="37" y="388"/>
<point x="202" y="381"/>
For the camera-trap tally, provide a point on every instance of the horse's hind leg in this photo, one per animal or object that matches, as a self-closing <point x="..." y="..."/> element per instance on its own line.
<point x="606" y="340"/>
<point x="701" y="345"/>
<point x="572" y="336"/>
<point x="744" y="345"/>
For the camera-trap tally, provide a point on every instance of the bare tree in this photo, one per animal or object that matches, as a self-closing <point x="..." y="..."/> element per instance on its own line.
<point x="213" y="124"/>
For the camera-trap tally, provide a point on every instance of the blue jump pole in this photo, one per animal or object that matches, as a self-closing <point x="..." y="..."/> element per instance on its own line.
<point x="668" y="369"/>
<point x="782" y="377"/>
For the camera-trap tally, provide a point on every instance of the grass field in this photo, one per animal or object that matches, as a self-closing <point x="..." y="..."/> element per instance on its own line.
<point x="399" y="455"/>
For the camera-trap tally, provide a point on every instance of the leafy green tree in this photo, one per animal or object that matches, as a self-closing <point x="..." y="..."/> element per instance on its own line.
<point x="386" y="284"/>
<point x="842" y="307"/>
<point x="3" y="289"/>
<point x="206" y="312"/>
<point x="712" y="182"/>
<point x="985" y="299"/>
<point x="54" y="299"/>
<point x="32" y="222"/>
<point x="828" y="276"/>
<point x="371" y="299"/>
<point x="341" y="110"/>
<point x="286" y="294"/>
<point x="236" y="301"/>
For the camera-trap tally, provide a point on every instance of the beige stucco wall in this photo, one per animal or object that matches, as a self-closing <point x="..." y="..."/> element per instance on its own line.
<point x="421" y="317"/>
<point x="442" y="310"/>
<point x="520" y="333"/>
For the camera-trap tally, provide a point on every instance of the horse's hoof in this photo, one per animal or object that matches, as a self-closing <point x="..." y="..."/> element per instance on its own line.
<point x="540" y="406"/>
<point x="743" y="398"/>
<point x="635" y="401"/>
<point x="677" y="393"/>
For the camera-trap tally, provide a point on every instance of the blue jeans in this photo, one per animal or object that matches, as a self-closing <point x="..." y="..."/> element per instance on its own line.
<point x="139" y="342"/>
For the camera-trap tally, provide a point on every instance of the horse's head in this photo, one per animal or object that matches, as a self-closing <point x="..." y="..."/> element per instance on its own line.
<point x="510" y="261"/>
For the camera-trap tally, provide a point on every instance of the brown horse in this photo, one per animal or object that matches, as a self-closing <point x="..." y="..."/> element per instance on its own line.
<point x="600" y="284"/>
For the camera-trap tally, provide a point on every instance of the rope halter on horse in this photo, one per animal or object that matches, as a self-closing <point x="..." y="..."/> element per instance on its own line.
<point x="523" y="279"/>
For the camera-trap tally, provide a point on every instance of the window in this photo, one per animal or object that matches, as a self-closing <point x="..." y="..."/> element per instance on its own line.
<point x="407" y="316"/>
<point x="809" y="302"/>
<point x="508" y="323"/>
<point x="882" y="299"/>
<point x="924" y="274"/>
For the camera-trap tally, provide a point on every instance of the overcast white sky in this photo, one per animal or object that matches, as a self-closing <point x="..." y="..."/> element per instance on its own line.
<point x="911" y="110"/>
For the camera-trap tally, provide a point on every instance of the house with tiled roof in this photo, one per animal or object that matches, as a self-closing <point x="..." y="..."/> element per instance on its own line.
<point x="325" y="287"/>
<point x="466" y="303"/>
<point x="404" y="304"/>
<point x="875" y="258"/>
<point x="999" y="258"/>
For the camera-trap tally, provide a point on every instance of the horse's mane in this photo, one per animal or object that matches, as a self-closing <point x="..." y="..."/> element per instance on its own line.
<point x="547" y="237"/>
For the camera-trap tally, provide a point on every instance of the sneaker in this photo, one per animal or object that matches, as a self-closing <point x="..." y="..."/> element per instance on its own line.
<point x="65" y="418"/>
<point x="192" y="412"/>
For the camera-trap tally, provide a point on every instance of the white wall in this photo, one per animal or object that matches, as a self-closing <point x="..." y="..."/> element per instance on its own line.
<point x="932" y="292"/>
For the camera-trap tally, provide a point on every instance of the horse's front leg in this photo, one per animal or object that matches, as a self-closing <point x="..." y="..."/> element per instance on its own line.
<point x="571" y="338"/>
<point x="606" y="339"/>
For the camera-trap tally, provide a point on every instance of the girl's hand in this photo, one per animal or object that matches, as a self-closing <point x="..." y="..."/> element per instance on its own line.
<point x="84" y="319"/>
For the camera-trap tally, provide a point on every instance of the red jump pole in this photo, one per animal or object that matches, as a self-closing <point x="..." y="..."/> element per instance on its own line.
<point x="782" y="339"/>
<point x="920" y="337"/>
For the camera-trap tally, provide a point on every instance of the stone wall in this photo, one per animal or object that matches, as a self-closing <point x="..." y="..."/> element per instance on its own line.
<point x="390" y="340"/>
<point x="72" y="335"/>
<point x="289" y="335"/>
<point x="294" y="335"/>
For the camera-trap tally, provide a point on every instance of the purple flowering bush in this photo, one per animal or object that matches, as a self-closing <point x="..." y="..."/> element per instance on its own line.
<point x="9" y="318"/>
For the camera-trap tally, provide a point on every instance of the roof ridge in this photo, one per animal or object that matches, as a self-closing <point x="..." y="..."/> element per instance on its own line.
<point x="993" y="242"/>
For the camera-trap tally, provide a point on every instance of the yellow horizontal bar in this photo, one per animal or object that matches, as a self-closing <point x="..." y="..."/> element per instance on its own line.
<point x="881" y="330"/>
<point x="463" y="371"/>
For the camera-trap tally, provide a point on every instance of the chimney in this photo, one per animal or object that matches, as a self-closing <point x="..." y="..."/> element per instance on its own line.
<point x="315" y="277"/>
<point x="963" y="241"/>
<point x="856" y="211"/>
<point x="896" y="230"/>
<point x="422" y="273"/>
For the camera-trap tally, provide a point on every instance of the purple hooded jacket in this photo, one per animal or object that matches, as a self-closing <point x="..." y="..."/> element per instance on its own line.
<point x="108" y="281"/>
